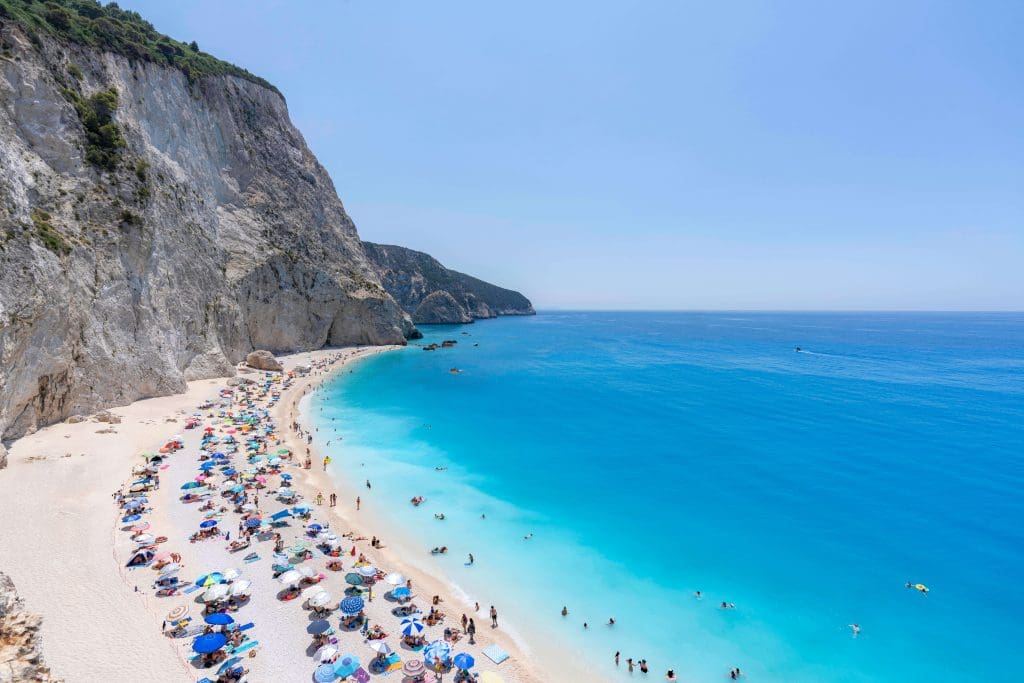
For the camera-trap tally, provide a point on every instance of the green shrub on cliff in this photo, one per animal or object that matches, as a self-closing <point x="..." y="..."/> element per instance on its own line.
<point x="103" y="136"/>
<point x="108" y="27"/>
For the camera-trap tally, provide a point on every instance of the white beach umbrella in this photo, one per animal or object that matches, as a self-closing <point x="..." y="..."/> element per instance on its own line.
<point x="169" y="569"/>
<point x="368" y="571"/>
<point x="380" y="647"/>
<point x="395" y="579"/>
<point x="143" y="539"/>
<point x="306" y="571"/>
<point x="248" y="507"/>
<point x="321" y="599"/>
<point x="289" y="577"/>
<point x="218" y="591"/>
<point x="231" y="574"/>
<point x="241" y="587"/>
<point x="326" y="654"/>
<point x="313" y="590"/>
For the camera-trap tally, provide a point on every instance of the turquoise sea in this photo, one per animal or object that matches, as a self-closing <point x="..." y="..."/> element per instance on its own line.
<point x="653" y="455"/>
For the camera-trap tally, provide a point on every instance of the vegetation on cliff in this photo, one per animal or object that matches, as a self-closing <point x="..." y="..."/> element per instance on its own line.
<point x="110" y="28"/>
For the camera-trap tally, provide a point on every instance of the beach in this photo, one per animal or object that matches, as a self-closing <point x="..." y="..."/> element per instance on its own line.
<point x="102" y="621"/>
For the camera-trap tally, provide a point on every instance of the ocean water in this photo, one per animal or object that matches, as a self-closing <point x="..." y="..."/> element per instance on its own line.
<point x="652" y="455"/>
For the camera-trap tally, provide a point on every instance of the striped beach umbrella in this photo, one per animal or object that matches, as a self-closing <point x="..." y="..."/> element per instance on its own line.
<point x="414" y="668"/>
<point x="178" y="613"/>
<point x="411" y="626"/>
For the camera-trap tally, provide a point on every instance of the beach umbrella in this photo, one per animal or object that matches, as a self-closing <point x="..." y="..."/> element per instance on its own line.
<point x="208" y="524"/>
<point x="438" y="650"/>
<point x="132" y="504"/>
<point x="139" y="528"/>
<point x="315" y="528"/>
<point x="231" y="574"/>
<point x="395" y="579"/>
<point x="303" y="508"/>
<point x="353" y="579"/>
<point x="249" y="507"/>
<point x="490" y="677"/>
<point x="411" y="626"/>
<point x="307" y="571"/>
<point x="401" y="592"/>
<point x="318" y="626"/>
<point x="228" y="665"/>
<point x="464" y="661"/>
<point x="326" y="654"/>
<point x="252" y="522"/>
<point x="325" y="674"/>
<point x="191" y="485"/>
<point x="286" y="477"/>
<point x="206" y="466"/>
<point x="285" y="493"/>
<point x="131" y="518"/>
<point x="211" y="642"/>
<point x="169" y="568"/>
<point x="346" y="666"/>
<point x="219" y="619"/>
<point x="209" y="579"/>
<point x="290" y="577"/>
<point x="143" y="539"/>
<point x="230" y="472"/>
<point x="178" y="613"/>
<point x="351" y="605"/>
<point x="320" y="599"/>
<point x="217" y="592"/>
<point x="240" y="587"/>
<point x="380" y="647"/>
<point x="414" y="668"/>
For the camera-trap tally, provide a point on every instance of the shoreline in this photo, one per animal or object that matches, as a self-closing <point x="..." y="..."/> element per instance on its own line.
<point x="69" y="548"/>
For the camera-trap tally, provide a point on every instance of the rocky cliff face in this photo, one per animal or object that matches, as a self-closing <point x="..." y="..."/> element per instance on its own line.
<point x="156" y="229"/>
<point x="431" y="293"/>
<point x="21" y="657"/>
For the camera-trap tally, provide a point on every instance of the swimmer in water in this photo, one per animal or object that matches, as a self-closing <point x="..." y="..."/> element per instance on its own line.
<point x="565" y="611"/>
<point x="856" y="629"/>
<point x="528" y="536"/>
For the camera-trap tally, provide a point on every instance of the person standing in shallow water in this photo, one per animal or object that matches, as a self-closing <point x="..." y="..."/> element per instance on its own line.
<point x="494" y="617"/>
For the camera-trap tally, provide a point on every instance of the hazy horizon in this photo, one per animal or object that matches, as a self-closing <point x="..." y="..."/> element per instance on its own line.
<point x="660" y="156"/>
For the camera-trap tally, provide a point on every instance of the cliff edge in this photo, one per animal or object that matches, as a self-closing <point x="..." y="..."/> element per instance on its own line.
<point x="432" y="294"/>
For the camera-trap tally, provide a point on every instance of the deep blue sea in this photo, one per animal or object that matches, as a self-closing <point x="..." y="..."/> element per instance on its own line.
<point x="653" y="455"/>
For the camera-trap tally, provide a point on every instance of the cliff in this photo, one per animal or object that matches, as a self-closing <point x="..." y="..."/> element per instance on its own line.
<point x="160" y="218"/>
<point x="431" y="293"/>
<point x="21" y="657"/>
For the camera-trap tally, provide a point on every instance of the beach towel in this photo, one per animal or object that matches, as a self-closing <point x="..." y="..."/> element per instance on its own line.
<point x="393" y="663"/>
<point x="248" y="645"/>
<point x="246" y="627"/>
<point x="496" y="654"/>
<point x="252" y="559"/>
<point x="192" y="589"/>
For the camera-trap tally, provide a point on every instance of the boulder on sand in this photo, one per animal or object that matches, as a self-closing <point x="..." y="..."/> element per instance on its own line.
<point x="263" y="360"/>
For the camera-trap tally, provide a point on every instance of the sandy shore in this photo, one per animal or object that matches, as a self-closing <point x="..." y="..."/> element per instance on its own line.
<point x="64" y="547"/>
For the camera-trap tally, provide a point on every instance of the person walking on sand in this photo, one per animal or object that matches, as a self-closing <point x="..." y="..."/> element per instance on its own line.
<point x="327" y="461"/>
<point x="471" y="630"/>
<point x="334" y="499"/>
<point x="359" y="502"/>
<point x="494" y="617"/>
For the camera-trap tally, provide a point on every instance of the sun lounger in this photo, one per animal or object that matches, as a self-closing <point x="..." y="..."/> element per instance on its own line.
<point x="495" y="653"/>
<point x="246" y="627"/>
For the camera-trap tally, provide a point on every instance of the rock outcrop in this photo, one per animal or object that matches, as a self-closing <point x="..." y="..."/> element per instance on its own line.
<point x="156" y="227"/>
<point x="21" y="657"/>
<point x="263" y="360"/>
<point x="432" y="294"/>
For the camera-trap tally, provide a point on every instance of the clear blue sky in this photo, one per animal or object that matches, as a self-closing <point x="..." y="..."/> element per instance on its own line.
<point x="785" y="155"/>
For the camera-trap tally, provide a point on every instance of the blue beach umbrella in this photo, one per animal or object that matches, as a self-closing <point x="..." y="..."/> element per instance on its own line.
<point x="464" y="661"/>
<point x="300" y="509"/>
<point x="219" y="619"/>
<point x="437" y="650"/>
<point x="315" y="527"/>
<point x="352" y="605"/>
<point x="191" y="485"/>
<point x="219" y="456"/>
<point x="252" y="523"/>
<point x="207" y="524"/>
<point x="211" y="642"/>
<point x="230" y="472"/>
<point x="237" y="488"/>
<point x="317" y="627"/>
<point x="401" y="592"/>
<point x="286" y="476"/>
<point x="206" y="466"/>
<point x="325" y="674"/>
<point x="131" y="518"/>
<point x="411" y="626"/>
<point x="346" y="666"/>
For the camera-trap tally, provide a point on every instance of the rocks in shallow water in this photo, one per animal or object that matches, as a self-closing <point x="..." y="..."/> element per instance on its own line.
<point x="21" y="656"/>
<point x="263" y="360"/>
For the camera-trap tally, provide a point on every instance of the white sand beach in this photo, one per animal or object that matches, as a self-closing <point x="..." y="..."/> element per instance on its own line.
<point x="102" y="621"/>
